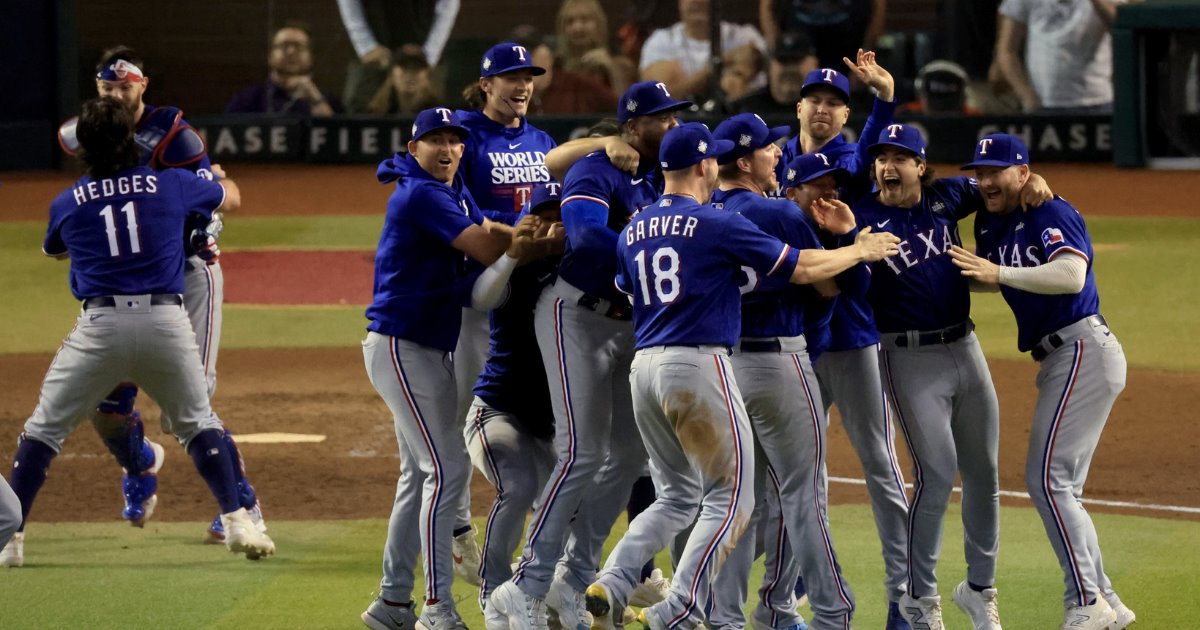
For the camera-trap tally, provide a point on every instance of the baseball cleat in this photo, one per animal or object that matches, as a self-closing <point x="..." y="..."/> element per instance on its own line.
<point x="1125" y="617"/>
<point x="1098" y="616"/>
<point x="243" y="536"/>
<point x="215" y="534"/>
<point x="523" y="612"/>
<point x="440" y="616"/>
<point x="13" y="554"/>
<point x="652" y="590"/>
<point x="467" y="557"/>
<point x="570" y="606"/>
<point x="141" y="490"/>
<point x="980" y="606"/>
<point x="380" y="616"/>
<point x="895" y="621"/>
<point x="492" y="618"/>
<point x="922" y="613"/>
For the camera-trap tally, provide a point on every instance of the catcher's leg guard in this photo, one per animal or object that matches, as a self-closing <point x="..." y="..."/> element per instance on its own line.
<point x="121" y="429"/>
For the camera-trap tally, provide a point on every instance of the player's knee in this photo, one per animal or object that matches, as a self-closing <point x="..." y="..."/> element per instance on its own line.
<point x="939" y="477"/>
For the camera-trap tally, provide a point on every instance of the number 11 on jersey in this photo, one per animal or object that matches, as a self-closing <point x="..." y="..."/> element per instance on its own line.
<point x="110" y="227"/>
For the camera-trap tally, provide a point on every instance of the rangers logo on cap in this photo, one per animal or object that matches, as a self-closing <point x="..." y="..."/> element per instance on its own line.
<point x="745" y="140"/>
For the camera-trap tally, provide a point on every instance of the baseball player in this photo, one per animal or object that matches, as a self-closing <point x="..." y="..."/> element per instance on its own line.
<point x="504" y="158"/>
<point x="421" y="283"/>
<point x="586" y="339"/>
<point x="841" y="335"/>
<point x="10" y="517"/>
<point x="120" y="227"/>
<point x="164" y="140"/>
<point x="1041" y="261"/>
<point x="681" y="263"/>
<point x="935" y="372"/>
<point x="510" y="428"/>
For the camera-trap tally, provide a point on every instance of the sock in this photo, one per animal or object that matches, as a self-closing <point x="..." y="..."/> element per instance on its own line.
<point x="246" y="495"/>
<point x="976" y="587"/>
<point x="31" y="462"/>
<point x="461" y="530"/>
<point x="215" y="464"/>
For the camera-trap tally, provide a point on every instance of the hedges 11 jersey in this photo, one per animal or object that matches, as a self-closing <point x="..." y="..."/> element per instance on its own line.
<point x="681" y="262"/>
<point x="122" y="232"/>
<point x="1029" y="239"/>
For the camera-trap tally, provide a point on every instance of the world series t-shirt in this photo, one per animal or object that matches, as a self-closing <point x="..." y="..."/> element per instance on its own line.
<point x="1030" y="239"/>
<point x="123" y="232"/>
<point x="682" y="264"/>
<point x="500" y="165"/>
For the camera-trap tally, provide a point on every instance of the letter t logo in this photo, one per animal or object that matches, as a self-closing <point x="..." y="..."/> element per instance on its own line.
<point x="983" y="145"/>
<point x="894" y="129"/>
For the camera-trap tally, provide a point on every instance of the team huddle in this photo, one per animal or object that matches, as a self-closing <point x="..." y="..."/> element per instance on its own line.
<point x="657" y="299"/>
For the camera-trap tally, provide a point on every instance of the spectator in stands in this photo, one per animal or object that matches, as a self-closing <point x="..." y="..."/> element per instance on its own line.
<point x="941" y="90"/>
<point x="409" y="88"/>
<point x="582" y="47"/>
<point x="838" y="28"/>
<point x="1070" y="50"/>
<point x="558" y="91"/>
<point x="679" y="55"/>
<point x="289" y="88"/>
<point x="792" y="59"/>
<point x="378" y="28"/>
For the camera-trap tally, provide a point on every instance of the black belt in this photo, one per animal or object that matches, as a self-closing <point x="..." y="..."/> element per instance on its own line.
<point x="158" y="299"/>
<point x="607" y="308"/>
<point x="946" y="335"/>
<point x="761" y="345"/>
<point x="1055" y="341"/>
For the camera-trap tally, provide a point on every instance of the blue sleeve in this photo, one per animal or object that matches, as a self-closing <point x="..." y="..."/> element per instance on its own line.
<point x="964" y="192"/>
<point x="53" y="244"/>
<point x="197" y="194"/>
<point x="434" y="211"/>
<point x="1061" y="228"/>
<point x="500" y="216"/>
<point x="744" y="243"/>
<point x="882" y="115"/>
<point x="585" y="218"/>
<point x="585" y="200"/>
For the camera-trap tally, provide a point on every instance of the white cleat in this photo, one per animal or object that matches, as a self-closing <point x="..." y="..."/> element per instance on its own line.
<point x="922" y="613"/>
<point x="523" y="612"/>
<point x="652" y="590"/>
<point x="1098" y="616"/>
<point x="570" y="605"/>
<point x="467" y="557"/>
<point x="492" y="618"/>
<point x="440" y="616"/>
<point x="243" y="536"/>
<point x="13" y="554"/>
<point x="1125" y="617"/>
<point x="980" y="606"/>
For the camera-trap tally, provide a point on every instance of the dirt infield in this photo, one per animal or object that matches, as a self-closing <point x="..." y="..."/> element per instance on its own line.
<point x="1147" y="453"/>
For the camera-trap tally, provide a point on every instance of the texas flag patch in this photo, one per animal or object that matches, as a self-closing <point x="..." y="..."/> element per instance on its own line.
<point x="1051" y="236"/>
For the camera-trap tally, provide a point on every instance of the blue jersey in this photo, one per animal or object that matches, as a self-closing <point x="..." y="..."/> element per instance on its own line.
<point x="920" y="288"/>
<point x="420" y="279"/>
<point x="501" y="164"/>
<point x="852" y="156"/>
<point x="513" y="379"/>
<point x="598" y="200"/>
<point x="682" y="263"/>
<point x="123" y="231"/>
<point x="1029" y="239"/>
<point x="771" y="307"/>
<point x="852" y="321"/>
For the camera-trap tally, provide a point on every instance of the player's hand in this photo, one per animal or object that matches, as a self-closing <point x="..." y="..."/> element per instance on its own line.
<point x="833" y="216"/>
<point x="872" y="74"/>
<point x="218" y="171"/>
<point x="873" y="246"/>
<point x="377" y="56"/>
<point x="305" y="89"/>
<point x="551" y="238"/>
<point x="622" y="154"/>
<point x="1035" y="192"/>
<point x="205" y="245"/>
<point x="497" y="228"/>
<point x="523" y="234"/>
<point x="979" y="268"/>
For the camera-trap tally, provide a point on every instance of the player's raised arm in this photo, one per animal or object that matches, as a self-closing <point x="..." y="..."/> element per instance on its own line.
<point x="815" y="265"/>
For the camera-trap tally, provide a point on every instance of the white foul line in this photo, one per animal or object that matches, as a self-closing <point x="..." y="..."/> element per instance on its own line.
<point x="1023" y="495"/>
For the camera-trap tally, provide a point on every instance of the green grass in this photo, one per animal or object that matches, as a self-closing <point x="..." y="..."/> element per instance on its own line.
<point x="1147" y="270"/>
<point x="113" y="576"/>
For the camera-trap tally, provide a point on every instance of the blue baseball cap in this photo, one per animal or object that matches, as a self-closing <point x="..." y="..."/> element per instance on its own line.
<point x="999" y="149"/>
<point x="436" y="118"/>
<point x="809" y="166"/>
<point x="506" y="57"/>
<point x="645" y="98"/>
<point x="748" y="132"/>
<point x="903" y="136"/>
<point x="689" y="144"/>
<point x="827" y="78"/>
<point x="545" y="193"/>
